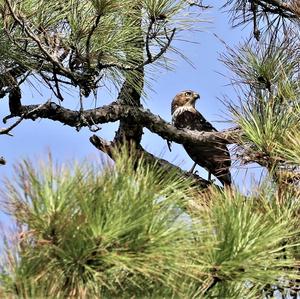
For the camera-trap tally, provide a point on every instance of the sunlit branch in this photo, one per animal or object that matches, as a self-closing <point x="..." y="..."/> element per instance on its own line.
<point x="115" y="112"/>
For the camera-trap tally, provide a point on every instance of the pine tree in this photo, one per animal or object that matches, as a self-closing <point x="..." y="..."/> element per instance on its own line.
<point x="132" y="231"/>
<point x="144" y="228"/>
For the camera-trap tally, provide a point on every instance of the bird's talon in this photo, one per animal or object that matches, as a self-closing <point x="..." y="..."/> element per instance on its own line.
<point x="192" y="171"/>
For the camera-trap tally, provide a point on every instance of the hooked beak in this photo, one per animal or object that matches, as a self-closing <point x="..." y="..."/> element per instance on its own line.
<point x="196" y="96"/>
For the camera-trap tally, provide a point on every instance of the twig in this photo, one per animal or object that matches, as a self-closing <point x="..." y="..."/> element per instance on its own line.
<point x="46" y="80"/>
<point x="212" y="283"/>
<point x="200" y="5"/>
<point x="256" y="31"/>
<point x="148" y="52"/>
<point x="162" y="50"/>
<point x="88" y="41"/>
<point x="58" y="93"/>
<point x="7" y="130"/>
<point x="22" y="117"/>
<point x="150" y="57"/>
<point x="96" y="129"/>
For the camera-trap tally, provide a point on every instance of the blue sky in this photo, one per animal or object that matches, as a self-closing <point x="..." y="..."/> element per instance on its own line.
<point x="34" y="139"/>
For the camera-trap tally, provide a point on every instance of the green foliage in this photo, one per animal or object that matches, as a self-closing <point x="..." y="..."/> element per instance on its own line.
<point x="269" y="124"/>
<point x="271" y="18"/>
<point x="268" y="64"/>
<point x="71" y="23"/>
<point x="131" y="229"/>
<point x="268" y="114"/>
<point x="250" y="245"/>
<point x="89" y="41"/>
<point x="163" y="9"/>
<point x="89" y="234"/>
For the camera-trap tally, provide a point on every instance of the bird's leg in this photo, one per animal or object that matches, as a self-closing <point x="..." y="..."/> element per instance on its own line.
<point x="169" y="143"/>
<point x="193" y="168"/>
<point x="81" y="120"/>
<point x="209" y="176"/>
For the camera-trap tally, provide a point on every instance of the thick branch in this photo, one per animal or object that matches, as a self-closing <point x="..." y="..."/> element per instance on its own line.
<point x="131" y="91"/>
<point x="281" y="6"/>
<point x="129" y="128"/>
<point x="108" y="148"/>
<point x="115" y="112"/>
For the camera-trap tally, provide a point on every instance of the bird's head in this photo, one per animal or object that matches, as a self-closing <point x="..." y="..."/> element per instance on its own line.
<point x="186" y="99"/>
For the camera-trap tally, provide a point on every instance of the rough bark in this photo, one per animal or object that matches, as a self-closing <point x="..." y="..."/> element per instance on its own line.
<point x="114" y="112"/>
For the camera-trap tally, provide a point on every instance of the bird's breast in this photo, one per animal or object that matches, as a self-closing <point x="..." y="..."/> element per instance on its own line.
<point x="188" y="119"/>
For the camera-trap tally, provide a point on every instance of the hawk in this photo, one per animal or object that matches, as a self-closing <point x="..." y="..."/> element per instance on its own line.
<point x="214" y="157"/>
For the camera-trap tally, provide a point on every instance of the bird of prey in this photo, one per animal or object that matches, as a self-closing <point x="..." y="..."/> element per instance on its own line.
<point x="214" y="157"/>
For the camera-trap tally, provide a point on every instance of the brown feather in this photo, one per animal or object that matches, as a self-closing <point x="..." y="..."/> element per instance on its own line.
<point x="214" y="157"/>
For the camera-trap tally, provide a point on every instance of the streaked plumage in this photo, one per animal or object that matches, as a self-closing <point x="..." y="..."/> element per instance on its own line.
<point x="214" y="157"/>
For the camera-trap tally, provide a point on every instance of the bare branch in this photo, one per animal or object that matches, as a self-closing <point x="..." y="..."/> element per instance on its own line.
<point x="150" y="58"/>
<point x="282" y="7"/>
<point x="116" y="111"/>
<point x="256" y="31"/>
<point x="15" y="107"/>
<point x="267" y="16"/>
<point x="147" y="43"/>
<point x="198" y="4"/>
<point x="6" y="131"/>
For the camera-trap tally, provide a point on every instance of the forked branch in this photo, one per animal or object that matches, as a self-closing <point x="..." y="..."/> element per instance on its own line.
<point x="115" y="112"/>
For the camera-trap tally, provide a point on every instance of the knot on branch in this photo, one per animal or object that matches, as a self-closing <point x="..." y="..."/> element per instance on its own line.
<point x="15" y="100"/>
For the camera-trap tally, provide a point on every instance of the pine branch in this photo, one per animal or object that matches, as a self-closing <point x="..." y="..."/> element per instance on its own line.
<point x="283" y="8"/>
<point x="109" y="148"/>
<point x="115" y="112"/>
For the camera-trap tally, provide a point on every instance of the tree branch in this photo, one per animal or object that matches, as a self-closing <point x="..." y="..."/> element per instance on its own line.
<point x="282" y="7"/>
<point x="6" y="131"/>
<point x="150" y="57"/>
<point x="115" y="111"/>
<point x="198" y="4"/>
<point x="108" y="148"/>
<point x="131" y="91"/>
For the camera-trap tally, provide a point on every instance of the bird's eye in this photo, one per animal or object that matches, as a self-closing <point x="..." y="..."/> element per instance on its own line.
<point x="188" y="93"/>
